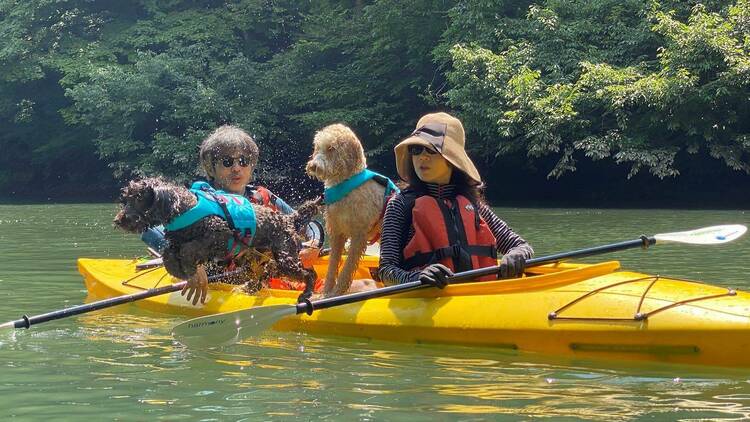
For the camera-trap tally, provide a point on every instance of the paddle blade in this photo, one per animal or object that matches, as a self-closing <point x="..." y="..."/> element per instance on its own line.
<point x="230" y="327"/>
<point x="705" y="236"/>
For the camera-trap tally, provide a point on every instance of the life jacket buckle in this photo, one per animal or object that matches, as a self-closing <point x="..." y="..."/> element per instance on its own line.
<point x="451" y="251"/>
<point x="456" y="250"/>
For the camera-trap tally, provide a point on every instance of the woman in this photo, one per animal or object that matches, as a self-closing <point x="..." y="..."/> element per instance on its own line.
<point x="228" y="157"/>
<point x="439" y="224"/>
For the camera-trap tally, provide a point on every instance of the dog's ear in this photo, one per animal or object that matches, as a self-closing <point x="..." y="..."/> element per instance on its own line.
<point x="143" y="193"/>
<point x="162" y="204"/>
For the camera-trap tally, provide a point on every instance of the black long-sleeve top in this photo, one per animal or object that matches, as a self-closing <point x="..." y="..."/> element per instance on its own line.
<point x="396" y="234"/>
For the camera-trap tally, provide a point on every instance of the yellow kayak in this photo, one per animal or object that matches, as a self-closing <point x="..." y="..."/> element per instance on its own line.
<point x="582" y="310"/>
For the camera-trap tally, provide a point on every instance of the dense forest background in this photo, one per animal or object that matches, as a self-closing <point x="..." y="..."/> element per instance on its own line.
<point x="591" y="102"/>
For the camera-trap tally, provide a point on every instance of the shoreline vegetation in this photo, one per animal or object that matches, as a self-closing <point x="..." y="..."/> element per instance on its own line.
<point x="661" y="195"/>
<point x="600" y="103"/>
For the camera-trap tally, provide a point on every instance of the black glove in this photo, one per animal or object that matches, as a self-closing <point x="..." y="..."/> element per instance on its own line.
<point x="512" y="264"/>
<point x="436" y="275"/>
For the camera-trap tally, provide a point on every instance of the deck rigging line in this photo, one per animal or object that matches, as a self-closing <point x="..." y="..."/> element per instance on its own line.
<point x="638" y="315"/>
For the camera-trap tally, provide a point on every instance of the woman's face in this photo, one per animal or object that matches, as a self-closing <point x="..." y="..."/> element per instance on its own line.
<point x="233" y="172"/>
<point x="432" y="168"/>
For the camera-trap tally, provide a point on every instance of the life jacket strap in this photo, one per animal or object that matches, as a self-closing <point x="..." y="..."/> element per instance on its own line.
<point x="239" y="237"/>
<point x="453" y="251"/>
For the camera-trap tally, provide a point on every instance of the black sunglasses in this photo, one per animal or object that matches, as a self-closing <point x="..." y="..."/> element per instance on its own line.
<point x="229" y="161"/>
<point x="418" y="149"/>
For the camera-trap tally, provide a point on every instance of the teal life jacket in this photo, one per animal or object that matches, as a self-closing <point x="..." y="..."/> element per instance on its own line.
<point x="338" y="192"/>
<point x="235" y="209"/>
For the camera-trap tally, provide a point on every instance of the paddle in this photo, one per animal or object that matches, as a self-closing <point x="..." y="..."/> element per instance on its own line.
<point x="27" y="321"/>
<point x="229" y="327"/>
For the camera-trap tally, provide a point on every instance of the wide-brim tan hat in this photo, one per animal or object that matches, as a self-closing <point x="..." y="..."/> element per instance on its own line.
<point x="443" y="133"/>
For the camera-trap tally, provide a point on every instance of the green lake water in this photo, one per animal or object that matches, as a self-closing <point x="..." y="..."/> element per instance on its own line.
<point x="122" y="364"/>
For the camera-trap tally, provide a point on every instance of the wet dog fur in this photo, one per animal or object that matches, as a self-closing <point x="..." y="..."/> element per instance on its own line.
<point x="152" y="201"/>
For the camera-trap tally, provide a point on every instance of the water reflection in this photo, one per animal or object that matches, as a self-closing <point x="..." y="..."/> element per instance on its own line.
<point x="123" y="363"/>
<point x="457" y="384"/>
<point x="126" y="358"/>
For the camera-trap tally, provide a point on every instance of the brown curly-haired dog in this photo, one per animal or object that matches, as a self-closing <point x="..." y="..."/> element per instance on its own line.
<point x="337" y="156"/>
<point x="153" y="201"/>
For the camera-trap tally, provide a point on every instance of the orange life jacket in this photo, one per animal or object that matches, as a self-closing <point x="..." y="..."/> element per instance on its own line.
<point x="450" y="232"/>
<point x="261" y="196"/>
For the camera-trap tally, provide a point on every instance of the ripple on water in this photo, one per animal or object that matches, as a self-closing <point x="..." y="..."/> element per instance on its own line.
<point x="123" y="363"/>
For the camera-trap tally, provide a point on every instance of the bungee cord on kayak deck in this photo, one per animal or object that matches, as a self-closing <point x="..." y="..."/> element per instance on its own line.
<point x="638" y="315"/>
<point x="141" y="274"/>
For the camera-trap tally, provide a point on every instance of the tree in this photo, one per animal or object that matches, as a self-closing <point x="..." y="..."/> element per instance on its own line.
<point x="41" y="154"/>
<point x="136" y="85"/>
<point x="635" y="107"/>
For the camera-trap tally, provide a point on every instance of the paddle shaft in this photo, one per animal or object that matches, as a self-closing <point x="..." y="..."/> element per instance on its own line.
<point x="27" y="321"/>
<point x="308" y="307"/>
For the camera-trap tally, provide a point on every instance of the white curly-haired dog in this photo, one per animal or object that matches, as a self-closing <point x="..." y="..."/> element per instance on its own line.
<point x="354" y="216"/>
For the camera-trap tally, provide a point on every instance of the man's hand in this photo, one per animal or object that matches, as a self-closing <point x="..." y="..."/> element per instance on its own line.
<point x="197" y="286"/>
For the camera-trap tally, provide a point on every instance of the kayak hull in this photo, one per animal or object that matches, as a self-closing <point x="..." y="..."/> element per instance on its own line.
<point x="580" y="310"/>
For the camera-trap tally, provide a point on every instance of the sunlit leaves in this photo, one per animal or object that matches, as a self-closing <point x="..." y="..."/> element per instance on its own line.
<point x="636" y="83"/>
<point x="682" y="86"/>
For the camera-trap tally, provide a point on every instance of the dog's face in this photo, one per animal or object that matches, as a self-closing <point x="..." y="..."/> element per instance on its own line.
<point x="143" y="204"/>
<point x="337" y="154"/>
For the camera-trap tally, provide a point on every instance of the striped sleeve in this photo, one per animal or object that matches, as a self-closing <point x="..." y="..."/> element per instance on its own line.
<point x="506" y="238"/>
<point x="395" y="233"/>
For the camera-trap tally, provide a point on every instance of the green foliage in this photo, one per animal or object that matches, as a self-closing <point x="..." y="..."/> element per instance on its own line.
<point x="155" y="81"/>
<point x="623" y="101"/>
<point x="366" y="67"/>
<point x="136" y="84"/>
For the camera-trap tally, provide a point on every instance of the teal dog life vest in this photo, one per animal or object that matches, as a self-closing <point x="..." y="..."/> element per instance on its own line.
<point x="338" y="192"/>
<point x="235" y="209"/>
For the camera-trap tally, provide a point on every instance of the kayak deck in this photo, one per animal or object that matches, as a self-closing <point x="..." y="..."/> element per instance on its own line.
<point x="586" y="310"/>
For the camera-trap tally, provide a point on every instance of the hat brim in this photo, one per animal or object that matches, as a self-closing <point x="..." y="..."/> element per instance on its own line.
<point x="456" y="156"/>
